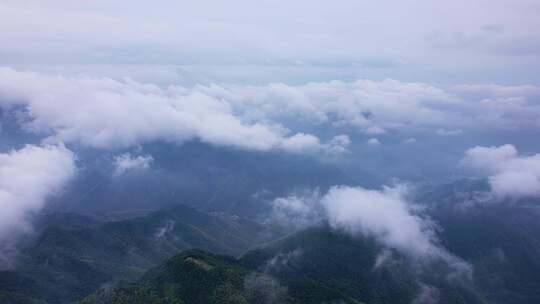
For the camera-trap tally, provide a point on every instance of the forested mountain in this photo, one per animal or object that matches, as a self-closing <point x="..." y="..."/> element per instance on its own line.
<point x="75" y="255"/>
<point x="140" y="257"/>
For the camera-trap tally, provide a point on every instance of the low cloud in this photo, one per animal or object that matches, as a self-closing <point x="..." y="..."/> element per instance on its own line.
<point x="264" y="289"/>
<point x="127" y="162"/>
<point x="27" y="177"/>
<point x="428" y="295"/>
<point x="410" y="140"/>
<point x="298" y="211"/>
<point x="376" y="107"/>
<point x="373" y="142"/>
<point x="510" y="174"/>
<point x="444" y="132"/>
<point x="383" y="214"/>
<point x="107" y="113"/>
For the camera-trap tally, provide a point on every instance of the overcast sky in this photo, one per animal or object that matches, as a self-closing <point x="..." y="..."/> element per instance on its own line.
<point x="451" y="41"/>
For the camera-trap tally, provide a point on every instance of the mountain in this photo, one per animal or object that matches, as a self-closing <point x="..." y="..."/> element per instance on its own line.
<point x="75" y="255"/>
<point x="200" y="277"/>
<point x="140" y="257"/>
<point x="317" y="265"/>
<point x="499" y="237"/>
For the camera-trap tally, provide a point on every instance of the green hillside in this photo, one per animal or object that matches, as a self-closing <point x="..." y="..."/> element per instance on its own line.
<point x="312" y="266"/>
<point x="68" y="261"/>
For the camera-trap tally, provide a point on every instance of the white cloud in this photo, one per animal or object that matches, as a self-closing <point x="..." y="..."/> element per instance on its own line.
<point x="127" y="162"/>
<point x="106" y="113"/>
<point x="373" y="107"/>
<point x="376" y="107"/>
<point x="338" y="144"/>
<point x="410" y="140"/>
<point x="444" y="132"/>
<point x="375" y="130"/>
<point x="385" y="215"/>
<point x="298" y="210"/>
<point x="373" y="142"/>
<point x="27" y="177"/>
<point x="510" y="175"/>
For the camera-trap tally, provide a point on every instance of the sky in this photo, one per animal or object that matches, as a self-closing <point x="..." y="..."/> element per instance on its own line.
<point x="411" y="89"/>
<point x="450" y="42"/>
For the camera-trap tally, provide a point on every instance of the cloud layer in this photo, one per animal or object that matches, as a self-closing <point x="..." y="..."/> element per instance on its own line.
<point x="375" y="107"/>
<point x="510" y="175"/>
<point x="105" y="113"/>
<point x="27" y="177"/>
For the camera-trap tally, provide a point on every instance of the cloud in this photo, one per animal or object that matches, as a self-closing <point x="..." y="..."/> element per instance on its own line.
<point x="375" y="130"/>
<point x="428" y="295"/>
<point x="383" y="214"/>
<point x="444" y="132"/>
<point x="299" y="210"/>
<point x="127" y="162"/>
<point x="410" y="140"/>
<point x="106" y="113"/>
<point x="510" y="175"/>
<point x="27" y="177"/>
<point x="376" y="107"/>
<point x="372" y="107"/>
<point x="337" y="145"/>
<point x="263" y="288"/>
<point x="373" y="142"/>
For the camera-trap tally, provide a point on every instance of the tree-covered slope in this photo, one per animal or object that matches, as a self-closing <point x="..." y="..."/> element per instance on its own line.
<point x="69" y="261"/>
<point x="313" y="266"/>
<point x="200" y="277"/>
<point x="500" y="238"/>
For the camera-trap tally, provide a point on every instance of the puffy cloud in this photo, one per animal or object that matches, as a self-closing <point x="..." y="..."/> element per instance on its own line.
<point x="373" y="142"/>
<point x="383" y="214"/>
<point x="510" y="175"/>
<point x="373" y="107"/>
<point x="127" y="162"/>
<point x="298" y="210"/>
<point x="106" y="113"/>
<point x="338" y="144"/>
<point x="27" y="177"/>
<point x="376" y="107"/>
